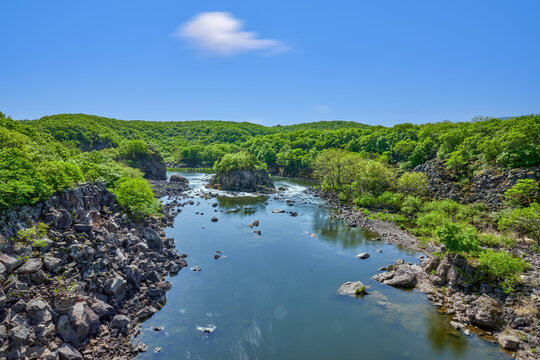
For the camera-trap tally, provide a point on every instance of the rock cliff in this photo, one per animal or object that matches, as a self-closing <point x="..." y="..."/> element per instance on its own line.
<point x="243" y="180"/>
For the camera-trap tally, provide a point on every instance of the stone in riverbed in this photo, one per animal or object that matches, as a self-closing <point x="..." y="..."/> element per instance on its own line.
<point x="120" y="322"/>
<point x="352" y="288"/>
<point x="486" y="312"/>
<point x="116" y="287"/>
<point x="362" y="256"/>
<point x="214" y="219"/>
<point x="508" y="342"/>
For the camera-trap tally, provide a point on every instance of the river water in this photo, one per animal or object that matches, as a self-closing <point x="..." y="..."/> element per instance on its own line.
<point x="274" y="296"/>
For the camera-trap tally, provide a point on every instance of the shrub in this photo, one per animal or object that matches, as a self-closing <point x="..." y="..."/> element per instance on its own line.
<point x="60" y="175"/>
<point x="136" y="197"/>
<point x="238" y="161"/>
<point x="524" y="221"/>
<point x="412" y="183"/>
<point x="523" y="193"/>
<point x="458" y="237"/>
<point x="502" y="265"/>
<point x="493" y="240"/>
<point x="411" y="204"/>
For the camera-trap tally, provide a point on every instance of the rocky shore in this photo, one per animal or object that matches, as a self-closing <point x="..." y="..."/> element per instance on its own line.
<point x="79" y="284"/>
<point x="454" y="286"/>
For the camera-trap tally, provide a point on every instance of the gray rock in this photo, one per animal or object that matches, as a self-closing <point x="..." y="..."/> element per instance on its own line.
<point x="508" y="342"/>
<point x="352" y="288"/>
<point x="39" y="311"/>
<point x="52" y="262"/>
<point x="404" y="277"/>
<point x="154" y="241"/>
<point x="10" y="262"/>
<point x="102" y="309"/>
<point x="3" y="270"/>
<point x="84" y="320"/>
<point x="19" y="334"/>
<point x="362" y="256"/>
<point x="30" y="266"/>
<point x="68" y="352"/>
<point x="486" y="312"/>
<point x="120" y="322"/>
<point x="116" y="287"/>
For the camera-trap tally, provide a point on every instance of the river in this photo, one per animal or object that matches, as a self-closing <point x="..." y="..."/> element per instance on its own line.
<point x="274" y="295"/>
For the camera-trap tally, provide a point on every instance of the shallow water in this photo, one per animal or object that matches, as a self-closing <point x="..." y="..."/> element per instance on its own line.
<point x="274" y="295"/>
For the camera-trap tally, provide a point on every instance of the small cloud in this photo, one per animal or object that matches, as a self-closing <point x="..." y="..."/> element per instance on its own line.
<point x="221" y="33"/>
<point x="321" y="108"/>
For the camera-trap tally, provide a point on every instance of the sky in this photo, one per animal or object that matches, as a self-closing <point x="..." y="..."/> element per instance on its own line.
<point x="271" y="62"/>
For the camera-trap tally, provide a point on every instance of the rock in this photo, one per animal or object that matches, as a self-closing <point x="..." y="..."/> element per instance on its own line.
<point x="10" y="262"/>
<point x="486" y="312"/>
<point x="84" y="320"/>
<point x="362" y="256"/>
<point x="30" y="266"/>
<point x="19" y="334"/>
<point x="51" y="262"/>
<point x="154" y="241"/>
<point x="68" y="352"/>
<point x="352" y="288"/>
<point x="39" y="311"/>
<point x="157" y="349"/>
<point x="120" y="322"/>
<point x="102" y="309"/>
<point x="214" y="219"/>
<point x="178" y="179"/>
<point x="195" y="269"/>
<point x="278" y="211"/>
<point x="3" y="270"/>
<point x="243" y="180"/>
<point x="116" y="287"/>
<point x="207" y="329"/>
<point x="258" y="232"/>
<point x="508" y="342"/>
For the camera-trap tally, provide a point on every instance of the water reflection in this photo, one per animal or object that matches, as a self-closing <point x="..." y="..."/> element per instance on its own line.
<point x="245" y="206"/>
<point x="441" y="335"/>
<point x="335" y="232"/>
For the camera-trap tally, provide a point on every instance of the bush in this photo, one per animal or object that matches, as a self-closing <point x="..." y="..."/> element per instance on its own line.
<point x="387" y="200"/>
<point x="502" y="265"/>
<point x="458" y="237"/>
<point x="238" y="161"/>
<point x="97" y="166"/>
<point x="60" y="175"/>
<point x="524" y="221"/>
<point x="493" y="240"/>
<point x="136" y="197"/>
<point x="413" y="183"/>
<point x="411" y="204"/>
<point x="523" y="193"/>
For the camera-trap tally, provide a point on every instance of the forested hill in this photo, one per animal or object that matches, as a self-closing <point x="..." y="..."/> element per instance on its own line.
<point x="463" y="146"/>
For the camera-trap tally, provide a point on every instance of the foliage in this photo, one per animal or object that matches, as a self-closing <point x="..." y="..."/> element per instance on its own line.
<point x="33" y="233"/>
<point x="524" y="221"/>
<point x="238" y="161"/>
<point x="503" y="265"/>
<point x="59" y="175"/>
<point x="136" y="197"/>
<point x="413" y="183"/>
<point x="458" y="237"/>
<point x="411" y="204"/>
<point x="522" y="193"/>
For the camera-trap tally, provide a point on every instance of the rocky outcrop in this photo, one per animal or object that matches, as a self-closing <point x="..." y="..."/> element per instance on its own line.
<point x="352" y="288"/>
<point x="487" y="185"/>
<point x="79" y="289"/>
<point x="243" y="180"/>
<point x="151" y="164"/>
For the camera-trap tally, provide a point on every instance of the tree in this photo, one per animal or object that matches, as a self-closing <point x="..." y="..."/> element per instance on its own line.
<point x="413" y="183"/>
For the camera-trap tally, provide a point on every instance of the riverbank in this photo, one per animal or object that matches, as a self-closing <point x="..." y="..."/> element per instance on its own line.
<point x="78" y="276"/>
<point x="460" y="289"/>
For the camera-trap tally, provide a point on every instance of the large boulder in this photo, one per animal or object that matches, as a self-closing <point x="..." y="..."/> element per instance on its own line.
<point x="352" y="288"/>
<point x="84" y="320"/>
<point x="68" y="352"/>
<point x="243" y="180"/>
<point x="487" y="313"/>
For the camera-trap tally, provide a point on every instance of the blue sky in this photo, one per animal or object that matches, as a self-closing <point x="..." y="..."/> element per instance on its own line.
<point x="271" y="62"/>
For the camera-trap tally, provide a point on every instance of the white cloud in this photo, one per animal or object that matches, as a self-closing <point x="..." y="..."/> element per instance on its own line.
<point x="221" y="33"/>
<point x="322" y="108"/>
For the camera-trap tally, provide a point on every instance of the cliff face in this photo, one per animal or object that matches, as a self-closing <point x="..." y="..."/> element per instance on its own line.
<point x="81" y="284"/>
<point x="243" y="180"/>
<point x="152" y="164"/>
<point x="487" y="185"/>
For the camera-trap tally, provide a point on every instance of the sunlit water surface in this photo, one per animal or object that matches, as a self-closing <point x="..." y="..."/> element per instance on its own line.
<point x="274" y="295"/>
